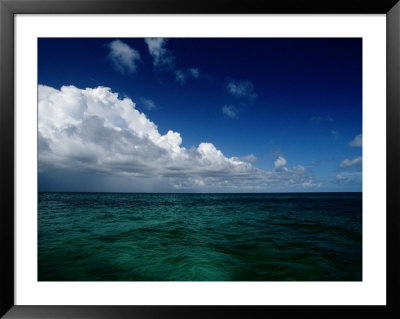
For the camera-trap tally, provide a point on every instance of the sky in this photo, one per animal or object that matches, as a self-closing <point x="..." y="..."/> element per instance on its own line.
<point x="200" y="114"/>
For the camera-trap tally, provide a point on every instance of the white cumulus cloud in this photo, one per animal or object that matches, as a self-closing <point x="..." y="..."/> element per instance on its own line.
<point x="94" y="133"/>
<point x="351" y="162"/>
<point x="280" y="162"/>
<point x="123" y="57"/>
<point x="357" y="141"/>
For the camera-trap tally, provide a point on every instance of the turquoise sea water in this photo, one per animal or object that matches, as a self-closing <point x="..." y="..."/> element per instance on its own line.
<point x="199" y="237"/>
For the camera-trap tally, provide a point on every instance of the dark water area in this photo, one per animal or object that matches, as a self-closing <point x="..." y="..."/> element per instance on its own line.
<point x="199" y="237"/>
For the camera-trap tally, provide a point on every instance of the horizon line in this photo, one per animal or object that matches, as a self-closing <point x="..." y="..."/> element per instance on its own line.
<point x="102" y="192"/>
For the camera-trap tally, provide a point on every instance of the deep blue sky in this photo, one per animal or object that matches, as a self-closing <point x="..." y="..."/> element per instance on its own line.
<point x="306" y="105"/>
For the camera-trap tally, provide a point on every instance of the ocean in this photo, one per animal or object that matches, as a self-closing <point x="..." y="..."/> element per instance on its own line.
<point x="199" y="237"/>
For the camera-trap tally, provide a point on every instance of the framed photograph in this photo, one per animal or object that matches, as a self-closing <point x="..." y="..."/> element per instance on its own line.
<point x="183" y="159"/>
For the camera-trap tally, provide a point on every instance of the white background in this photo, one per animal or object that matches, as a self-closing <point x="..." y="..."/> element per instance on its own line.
<point x="372" y="290"/>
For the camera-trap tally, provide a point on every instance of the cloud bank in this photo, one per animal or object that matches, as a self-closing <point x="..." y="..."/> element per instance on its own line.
<point x="105" y="142"/>
<point x="123" y="57"/>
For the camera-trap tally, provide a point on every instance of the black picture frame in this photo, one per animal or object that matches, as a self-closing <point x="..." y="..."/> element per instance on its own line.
<point x="8" y="8"/>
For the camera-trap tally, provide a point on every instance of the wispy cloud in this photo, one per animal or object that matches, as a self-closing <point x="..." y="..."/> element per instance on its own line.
<point x="357" y="141"/>
<point x="123" y="57"/>
<point x="319" y="161"/>
<point x="242" y="89"/>
<point x="351" y="162"/>
<point x="194" y="72"/>
<point x="321" y="119"/>
<point x="230" y="111"/>
<point x="335" y="134"/>
<point x="181" y="76"/>
<point x="276" y="153"/>
<point x="148" y="104"/>
<point x="162" y="58"/>
<point x="351" y="178"/>
<point x="96" y="133"/>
